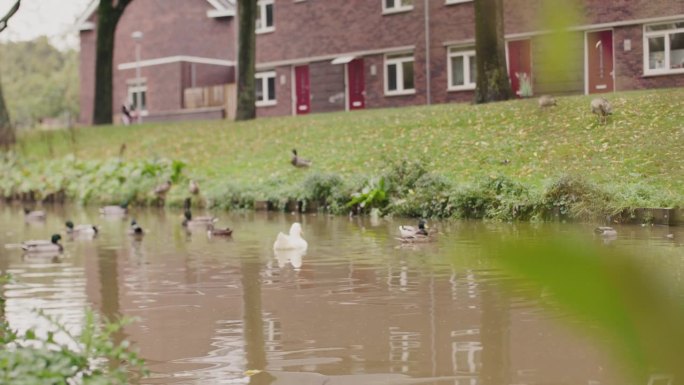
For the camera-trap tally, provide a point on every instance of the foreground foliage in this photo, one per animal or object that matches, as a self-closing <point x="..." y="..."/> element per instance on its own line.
<point x="60" y="357"/>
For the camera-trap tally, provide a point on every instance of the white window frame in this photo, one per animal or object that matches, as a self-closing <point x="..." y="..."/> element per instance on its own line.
<point x="398" y="7"/>
<point x="261" y="26"/>
<point x="269" y="100"/>
<point x="449" y="2"/>
<point x="400" y="73"/>
<point x="134" y="90"/>
<point x="468" y="55"/>
<point x="665" y="34"/>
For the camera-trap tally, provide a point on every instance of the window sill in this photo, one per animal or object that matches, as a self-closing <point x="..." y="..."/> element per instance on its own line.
<point x="676" y="71"/>
<point x="461" y="88"/>
<point x="264" y="30"/>
<point x="400" y="93"/>
<point x="266" y="103"/>
<point x="393" y="11"/>
<point x="452" y="2"/>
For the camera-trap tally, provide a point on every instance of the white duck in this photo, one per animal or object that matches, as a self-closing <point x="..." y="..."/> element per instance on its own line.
<point x="292" y="241"/>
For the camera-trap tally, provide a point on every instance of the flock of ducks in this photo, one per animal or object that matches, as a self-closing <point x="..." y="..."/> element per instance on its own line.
<point x="599" y="106"/>
<point x="291" y="241"/>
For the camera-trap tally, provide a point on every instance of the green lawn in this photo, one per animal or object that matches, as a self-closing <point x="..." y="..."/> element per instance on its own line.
<point x="642" y="143"/>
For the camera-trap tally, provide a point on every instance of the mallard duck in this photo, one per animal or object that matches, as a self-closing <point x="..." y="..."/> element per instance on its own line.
<point x="292" y="241"/>
<point x="546" y="101"/>
<point x="193" y="188"/>
<point x="605" y="231"/>
<point x="113" y="210"/>
<point x="135" y="229"/>
<point x="161" y="190"/>
<point x="34" y="215"/>
<point x="297" y="161"/>
<point x="85" y="230"/>
<point x="212" y="231"/>
<point x="189" y="221"/>
<point x="602" y="108"/>
<point x="43" y="246"/>
<point x="410" y="231"/>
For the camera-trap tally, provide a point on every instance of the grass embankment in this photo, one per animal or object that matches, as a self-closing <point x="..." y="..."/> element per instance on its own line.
<point x="511" y="148"/>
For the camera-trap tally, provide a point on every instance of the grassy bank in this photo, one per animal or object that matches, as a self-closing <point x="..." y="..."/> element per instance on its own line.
<point x="506" y="148"/>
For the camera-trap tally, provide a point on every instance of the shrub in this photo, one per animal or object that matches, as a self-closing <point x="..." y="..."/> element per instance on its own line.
<point x="574" y="198"/>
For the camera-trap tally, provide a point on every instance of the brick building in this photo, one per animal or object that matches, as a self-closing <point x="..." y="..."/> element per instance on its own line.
<point x="331" y="55"/>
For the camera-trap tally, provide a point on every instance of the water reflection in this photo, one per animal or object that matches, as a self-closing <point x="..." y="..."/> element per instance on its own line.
<point x="354" y="309"/>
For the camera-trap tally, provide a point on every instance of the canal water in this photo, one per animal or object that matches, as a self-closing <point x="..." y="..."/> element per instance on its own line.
<point x="358" y="307"/>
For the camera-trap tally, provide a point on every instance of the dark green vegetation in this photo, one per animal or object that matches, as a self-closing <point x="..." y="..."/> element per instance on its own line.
<point x="506" y="160"/>
<point x="39" y="81"/>
<point x="60" y="357"/>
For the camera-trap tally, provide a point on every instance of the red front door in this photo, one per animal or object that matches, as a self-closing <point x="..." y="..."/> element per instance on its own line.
<point x="600" y="61"/>
<point x="520" y="67"/>
<point x="357" y="85"/>
<point x="302" y="98"/>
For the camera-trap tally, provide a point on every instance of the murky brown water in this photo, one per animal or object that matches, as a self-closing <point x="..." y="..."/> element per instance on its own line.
<point x="356" y="309"/>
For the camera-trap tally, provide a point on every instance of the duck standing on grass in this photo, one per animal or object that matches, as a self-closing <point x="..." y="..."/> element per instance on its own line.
<point x="297" y="161"/>
<point x="86" y="230"/>
<point x="292" y="241"/>
<point x="194" y="187"/>
<point x="43" y="247"/>
<point x="161" y="191"/>
<point x="602" y="108"/>
<point x="34" y="215"/>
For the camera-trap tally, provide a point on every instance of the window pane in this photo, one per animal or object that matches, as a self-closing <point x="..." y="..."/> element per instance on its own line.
<point x="389" y="4"/>
<point x="407" y="67"/>
<point x="660" y="27"/>
<point x="392" y="77"/>
<point x="406" y="3"/>
<point x="143" y="97"/>
<point x="269" y="15"/>
<point x="677" y="50"/>
<point x="271" y="88"/>
<point x="258" y="17"/>
<point x="457" y="71"/>
<point x="259" y="89"/>
<point x="656" y="52"/>
<point x="473" y="69"/>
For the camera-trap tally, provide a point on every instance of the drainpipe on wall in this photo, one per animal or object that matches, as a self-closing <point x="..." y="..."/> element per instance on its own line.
<point x="428" y="100"/>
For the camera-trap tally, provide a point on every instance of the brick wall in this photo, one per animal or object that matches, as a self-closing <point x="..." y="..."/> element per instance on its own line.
<point x="314" y="31"/>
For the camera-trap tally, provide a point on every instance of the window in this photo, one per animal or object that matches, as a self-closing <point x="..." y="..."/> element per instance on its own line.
<point x="394" y="6"/>
<point x="264" y="16"/>
<point x="664" y="48"/>
<point x="399" y="74"/>
<point x="462" y="69"/>
<point x="136" y="92"/>
<point x="265" y="88"/>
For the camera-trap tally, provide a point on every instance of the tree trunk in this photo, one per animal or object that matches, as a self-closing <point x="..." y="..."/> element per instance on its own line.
<point x="490" y="52"/>
<point x="246" y="108"/>
<point x="108" y="16"/>
<point x="7" y="137"/>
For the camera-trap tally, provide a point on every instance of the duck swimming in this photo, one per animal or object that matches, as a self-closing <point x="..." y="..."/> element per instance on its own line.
<point x="410" y="231"/>
<point x="292" y="241"/>
<point x="43" y="246"/>
<point x="113" y="210"/>
<point x="81" y="230"/>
